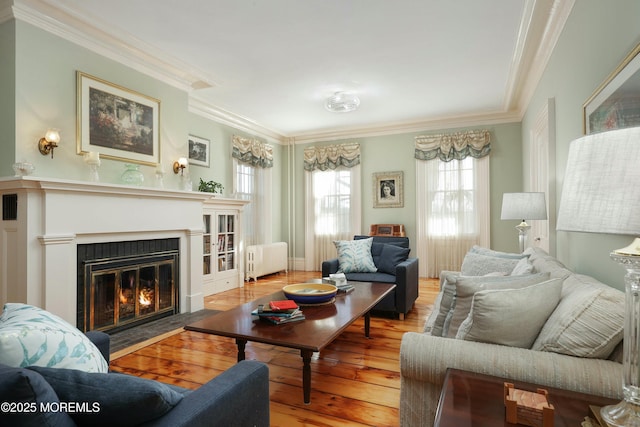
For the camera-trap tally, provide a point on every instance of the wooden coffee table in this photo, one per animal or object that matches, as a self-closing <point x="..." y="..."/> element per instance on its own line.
<point x="474" y="399"/>
<point x="322" y="325"/>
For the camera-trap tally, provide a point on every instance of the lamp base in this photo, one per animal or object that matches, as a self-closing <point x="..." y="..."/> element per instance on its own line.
<point x="623" y="414"/>
<point x="627" y="412"/>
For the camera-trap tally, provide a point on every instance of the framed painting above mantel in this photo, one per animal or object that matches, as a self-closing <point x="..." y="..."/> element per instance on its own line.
<point x="615" y="104"/>
<point x="117" y="122"/>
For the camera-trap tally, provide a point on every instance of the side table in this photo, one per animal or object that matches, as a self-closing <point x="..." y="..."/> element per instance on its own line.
<point x="470" y="399"/>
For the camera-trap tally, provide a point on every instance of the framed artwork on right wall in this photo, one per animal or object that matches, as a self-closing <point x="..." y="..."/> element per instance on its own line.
<point x="615" y="104"/>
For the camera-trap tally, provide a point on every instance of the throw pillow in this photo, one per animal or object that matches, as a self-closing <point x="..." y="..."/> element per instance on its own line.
<point x="30" y="390"/>
<point x="354" y="256"/>
<point x="390" y="257"/>
<point x="588" y="322"/>
<point x="442" y="306"/>
<point x="496" y="316"/>
<point x="490" y="252"/>
<point x="522" y="267"/>
<point x="466" y="287"/>
<point x="32" y="336"/>
<point x="475" y="264"/>
<point x="111" y="399"/>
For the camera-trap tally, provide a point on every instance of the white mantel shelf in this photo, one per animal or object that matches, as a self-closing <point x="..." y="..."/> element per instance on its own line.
<point x="38" y="250"/>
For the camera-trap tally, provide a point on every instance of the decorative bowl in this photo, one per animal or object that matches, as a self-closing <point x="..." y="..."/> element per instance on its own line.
<point x="310" y="293"/>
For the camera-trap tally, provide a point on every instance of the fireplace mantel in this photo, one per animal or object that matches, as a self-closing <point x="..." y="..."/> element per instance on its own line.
<point x="44" y="219"/>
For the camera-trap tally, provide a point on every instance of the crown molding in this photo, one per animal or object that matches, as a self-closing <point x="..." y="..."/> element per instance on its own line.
<point x="409" y="127"/>
<point x="211" y="112"/>
<point x="65" y="23"/>
<point x="555" y="18"/>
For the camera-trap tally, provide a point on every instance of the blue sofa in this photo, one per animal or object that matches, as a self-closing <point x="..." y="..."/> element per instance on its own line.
<point x="402" y="298"/>
<point x="237" y="397"/>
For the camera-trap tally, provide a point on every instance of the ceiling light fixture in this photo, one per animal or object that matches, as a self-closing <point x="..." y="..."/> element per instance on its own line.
<point x="342" y="102"/>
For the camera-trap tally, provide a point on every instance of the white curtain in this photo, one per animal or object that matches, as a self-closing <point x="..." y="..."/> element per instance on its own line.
<point x="332" y="200"/>
<point x="252" y="180"/>
<point x="453" y="210"/>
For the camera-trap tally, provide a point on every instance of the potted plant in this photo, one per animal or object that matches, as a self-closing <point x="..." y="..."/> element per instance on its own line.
<point x="210" y="187"/>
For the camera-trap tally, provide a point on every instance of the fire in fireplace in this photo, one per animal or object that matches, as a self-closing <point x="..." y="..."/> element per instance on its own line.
<point x="121" y="289"/>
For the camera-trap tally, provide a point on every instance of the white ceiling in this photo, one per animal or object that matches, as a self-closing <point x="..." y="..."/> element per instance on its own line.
<point x="271" y="64"/>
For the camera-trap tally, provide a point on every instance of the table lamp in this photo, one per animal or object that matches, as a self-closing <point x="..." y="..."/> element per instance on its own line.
<point x="523" y="206"/>
<point x="601" y="194"/>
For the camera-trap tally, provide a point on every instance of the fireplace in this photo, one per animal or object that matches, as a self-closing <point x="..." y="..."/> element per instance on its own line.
<point x="124" y="284"/>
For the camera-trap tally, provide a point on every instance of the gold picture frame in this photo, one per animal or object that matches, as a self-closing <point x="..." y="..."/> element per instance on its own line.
<point x="117" y="122"/>
<point x="388" y="189"/>
<point x="615" y="104"/>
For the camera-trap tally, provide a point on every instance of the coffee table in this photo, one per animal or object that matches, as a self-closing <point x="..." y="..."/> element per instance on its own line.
<point x="322" y="325"/>
<point x="474" y="399"/>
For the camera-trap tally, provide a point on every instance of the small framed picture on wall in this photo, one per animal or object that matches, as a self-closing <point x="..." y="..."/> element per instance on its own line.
<point x="388" y="190"/>
<point x="198" y="151"/>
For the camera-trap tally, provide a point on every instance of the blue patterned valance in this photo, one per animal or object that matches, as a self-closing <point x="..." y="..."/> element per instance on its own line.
<point x="331" y="156"/>
<point x="453" y="146"/>
<point x="252" y="152"/>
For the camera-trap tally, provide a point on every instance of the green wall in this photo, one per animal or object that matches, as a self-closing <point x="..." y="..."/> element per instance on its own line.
<point x="396" y="153"/>
<point x="596" y="38"/>
<point x="7" y="97"/>
<point x="221" y="169"/>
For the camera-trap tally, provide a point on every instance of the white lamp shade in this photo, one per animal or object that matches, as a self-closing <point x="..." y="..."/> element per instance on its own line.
<point x="523" y="206"/>
<point x="601" y="189"/>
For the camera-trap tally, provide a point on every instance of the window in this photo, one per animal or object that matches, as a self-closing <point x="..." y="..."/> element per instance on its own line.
<point x="453" y="200"/>
<point x="452" y="210"/>
<point x="332" y="195"/>
<point x="332" y="212"/>
<point x="254" y="184"/>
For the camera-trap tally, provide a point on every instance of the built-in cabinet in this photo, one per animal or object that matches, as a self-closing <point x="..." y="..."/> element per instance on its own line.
<point x="222" y="259"/>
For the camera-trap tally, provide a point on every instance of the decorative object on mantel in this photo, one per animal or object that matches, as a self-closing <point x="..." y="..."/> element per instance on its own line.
<point x="132" y="174"/>
<point x="119" y="122"/>
<point x="23" y="168"/>
<point x="388" y="191"/>
<point x="210" y="187"/>
<point x="50" y="141"/>
<point x="523" y="206"/>
<point x="92" y="159"/>
<point x="601" y="194"/>
<point x="159" y="176"/>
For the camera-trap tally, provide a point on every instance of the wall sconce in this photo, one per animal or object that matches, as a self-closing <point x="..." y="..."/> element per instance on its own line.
<point x="180" y="165"/>
<point x="49" y="142"/>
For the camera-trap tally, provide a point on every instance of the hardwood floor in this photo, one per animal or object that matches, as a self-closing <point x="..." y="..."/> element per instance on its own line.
<point x="355" y="381"/>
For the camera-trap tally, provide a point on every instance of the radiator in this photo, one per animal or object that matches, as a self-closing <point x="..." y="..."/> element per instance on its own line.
<point x="265" y="259"/>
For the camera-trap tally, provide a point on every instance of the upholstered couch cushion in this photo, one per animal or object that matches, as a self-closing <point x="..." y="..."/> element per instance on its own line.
<point x="475" y="264"/>
<point x="111" y="399"/>
<point x="588" y="321"/>
<point x="522" y="267"/>
<point x="19" y="386"/>
<point x="466" y="287"/>
<point x="512" y="317"/>
<point x="498" y="254"/>
<point x="443" y="304"/>
<point x="354" y="256"/>
<point x="32" y="336"/>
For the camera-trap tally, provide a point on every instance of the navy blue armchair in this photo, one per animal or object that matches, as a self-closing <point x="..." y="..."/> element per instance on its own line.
<point x="401" y="299"/>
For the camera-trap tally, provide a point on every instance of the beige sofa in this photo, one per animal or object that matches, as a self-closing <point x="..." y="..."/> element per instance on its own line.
<point x="586" y="323"/>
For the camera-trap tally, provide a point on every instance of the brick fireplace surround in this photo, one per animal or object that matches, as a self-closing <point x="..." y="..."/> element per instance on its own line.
<point x="45" y="219"/>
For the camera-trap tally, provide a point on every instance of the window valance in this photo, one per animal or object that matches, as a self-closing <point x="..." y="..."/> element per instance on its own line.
<point x="331" y="156"/>
<point x="252" y="151"/>
<point x="453" y="146"/>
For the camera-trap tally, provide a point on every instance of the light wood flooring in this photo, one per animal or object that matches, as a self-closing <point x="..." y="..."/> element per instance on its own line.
<point x="355" y="381"/>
